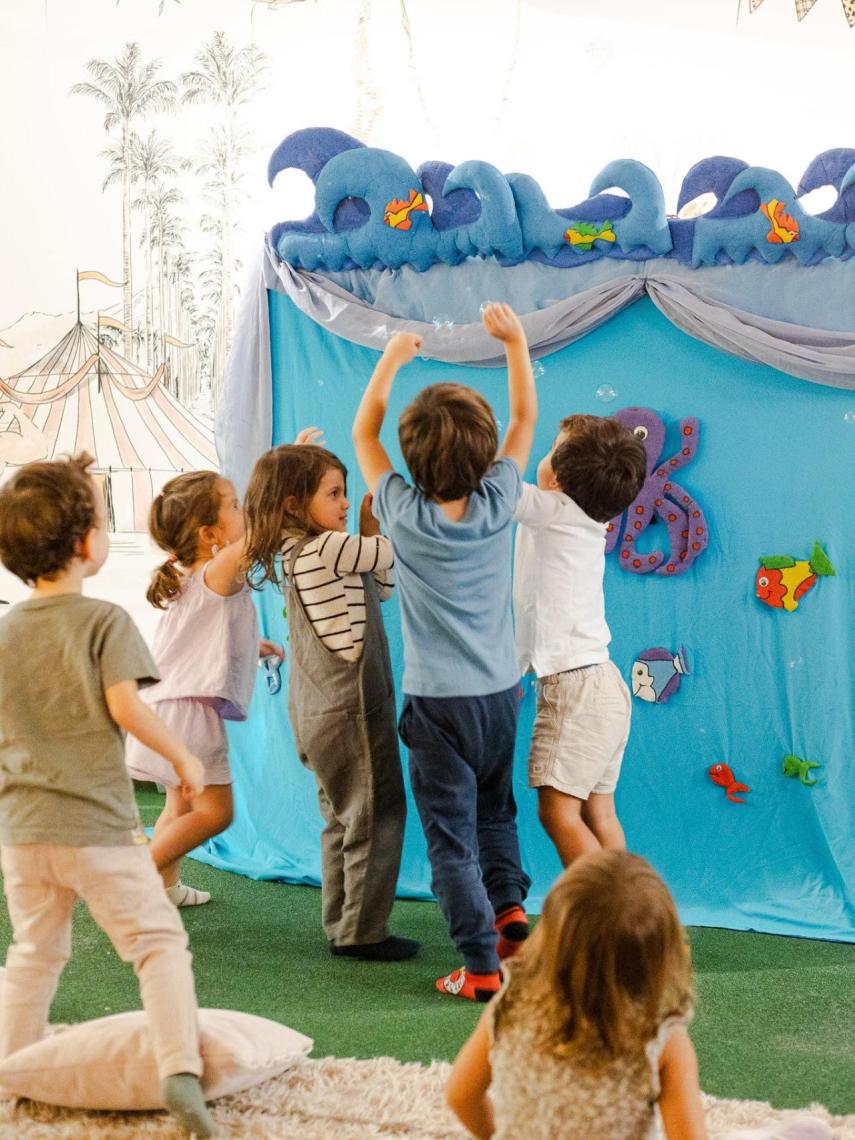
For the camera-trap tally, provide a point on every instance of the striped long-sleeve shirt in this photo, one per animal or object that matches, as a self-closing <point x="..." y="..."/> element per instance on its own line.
<point x="327" y="574"/>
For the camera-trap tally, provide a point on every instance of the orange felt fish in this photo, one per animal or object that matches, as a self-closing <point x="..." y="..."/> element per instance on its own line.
<point x="722" y="774"/>
<point x="397" y="214"/>
<point x="782" y="580"/>
<point x="784" y="229"/>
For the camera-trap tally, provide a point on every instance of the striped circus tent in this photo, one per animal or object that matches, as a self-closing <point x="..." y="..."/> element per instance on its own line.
<point x="84" y="397"/>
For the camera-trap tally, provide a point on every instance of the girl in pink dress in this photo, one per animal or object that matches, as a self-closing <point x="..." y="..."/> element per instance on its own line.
<point x="206" y="648"/>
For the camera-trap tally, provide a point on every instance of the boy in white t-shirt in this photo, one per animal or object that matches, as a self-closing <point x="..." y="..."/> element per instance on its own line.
<point x="594" y="470"/>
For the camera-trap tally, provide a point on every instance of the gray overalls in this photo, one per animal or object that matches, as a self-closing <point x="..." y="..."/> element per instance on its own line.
<point x="343" y="717"/>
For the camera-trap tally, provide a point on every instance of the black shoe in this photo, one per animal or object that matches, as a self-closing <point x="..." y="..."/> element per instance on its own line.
<point x="391" y="949"/>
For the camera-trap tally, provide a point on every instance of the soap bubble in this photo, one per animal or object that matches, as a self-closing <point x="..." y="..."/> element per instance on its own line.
<point x="796" y="663"/>
<point x="849" y="417"/>
<point x="320" y="383"/>
<point x="606" y="393"/>
<point x="443" y="324"/>
<point x="500" y="426"/>
<point x="538" y="369"/>
<point x="486" y="305"/>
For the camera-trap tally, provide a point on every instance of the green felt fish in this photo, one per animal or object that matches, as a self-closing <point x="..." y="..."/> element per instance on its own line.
<point x="800" y="769"/>
<point x="582" y="235"/>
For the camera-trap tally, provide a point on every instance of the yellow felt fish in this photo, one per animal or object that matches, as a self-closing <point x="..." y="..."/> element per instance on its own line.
<point x="784" y="229"/>
<point x="397" y="214"/>
<point x="782" y="581"/>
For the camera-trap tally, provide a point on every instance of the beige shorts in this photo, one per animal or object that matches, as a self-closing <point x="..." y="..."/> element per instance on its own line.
<point x="198" y="725"/>
<point x="580" y="731"/>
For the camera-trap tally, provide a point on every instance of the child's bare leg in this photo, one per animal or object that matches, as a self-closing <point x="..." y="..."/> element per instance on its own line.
<point x="599" y="814"/>
<point x="561" y="816"/>
<point x="209" y="814"/>
<point x="176" y="805"/>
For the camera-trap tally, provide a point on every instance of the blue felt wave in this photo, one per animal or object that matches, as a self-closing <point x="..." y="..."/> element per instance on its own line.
<point x="474" y="210"/>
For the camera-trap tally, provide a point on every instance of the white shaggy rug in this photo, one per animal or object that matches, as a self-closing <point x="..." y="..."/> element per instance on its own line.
<point x="335" y="1099"/>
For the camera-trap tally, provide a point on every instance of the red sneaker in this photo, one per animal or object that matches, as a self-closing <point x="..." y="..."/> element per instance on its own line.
<point x="512" y="925"/>
<point x="475" y="987"/>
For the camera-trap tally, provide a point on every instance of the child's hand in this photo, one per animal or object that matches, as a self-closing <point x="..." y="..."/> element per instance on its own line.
<point x="402" y="348"/>
<point x="311" y="435"/>
<point x="271" y="649"/>
<point x="191" y="772"/>
<point x="501" y="321"/>
<point x="369" y="527"/>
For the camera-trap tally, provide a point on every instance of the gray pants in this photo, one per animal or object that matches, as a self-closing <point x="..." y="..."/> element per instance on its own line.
<point x="343" y="716"/>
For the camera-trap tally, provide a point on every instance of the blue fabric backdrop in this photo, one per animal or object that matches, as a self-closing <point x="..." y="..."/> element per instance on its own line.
<point x="774" y="472"/>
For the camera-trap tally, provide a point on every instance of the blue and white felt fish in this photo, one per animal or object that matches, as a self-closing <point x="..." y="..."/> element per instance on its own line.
<point x="656" y="674"/>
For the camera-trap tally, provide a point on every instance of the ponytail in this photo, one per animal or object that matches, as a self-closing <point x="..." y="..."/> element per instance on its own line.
<point x="165" y="586"/>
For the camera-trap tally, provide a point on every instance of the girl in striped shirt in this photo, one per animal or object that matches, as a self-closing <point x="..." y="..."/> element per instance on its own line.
<point x="341" y="698"/>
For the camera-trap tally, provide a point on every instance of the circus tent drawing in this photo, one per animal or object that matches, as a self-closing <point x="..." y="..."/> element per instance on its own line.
<point x="83" y="396"/>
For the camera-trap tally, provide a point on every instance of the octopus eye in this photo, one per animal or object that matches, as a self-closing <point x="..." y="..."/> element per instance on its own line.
<point x="763" y="581"/>
<point x="640" y="432"/>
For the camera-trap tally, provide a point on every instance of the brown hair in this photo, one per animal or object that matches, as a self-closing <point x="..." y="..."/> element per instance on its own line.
<point x="601" y="465"/>
<point x="46" y="509"/>
<point x="290" y="470"/>
<point x="449" y="440"/>
<point x="608" y="960"/>
<point x="185" y="504"/>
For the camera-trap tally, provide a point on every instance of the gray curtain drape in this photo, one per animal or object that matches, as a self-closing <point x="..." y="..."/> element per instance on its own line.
<point x="244" y="420"/>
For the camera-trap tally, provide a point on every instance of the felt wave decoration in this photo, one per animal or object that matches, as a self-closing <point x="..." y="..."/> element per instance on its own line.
<point x="373" y="210"/>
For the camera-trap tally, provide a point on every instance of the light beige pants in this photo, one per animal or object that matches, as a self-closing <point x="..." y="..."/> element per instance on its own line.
<point x="125" y="896"/>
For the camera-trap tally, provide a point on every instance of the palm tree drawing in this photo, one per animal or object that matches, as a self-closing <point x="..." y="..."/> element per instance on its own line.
<point x="152" y="158"/>
<point x="166" y="236"/>
<point x="229" y="77"/>
<point x="128" y="89"/>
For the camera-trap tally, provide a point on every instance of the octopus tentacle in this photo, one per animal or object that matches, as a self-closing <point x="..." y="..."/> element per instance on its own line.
<point x="677" y="524"/>
<point x="639" y="516"/>
<point x="689" y="434"/>
<point x="699" y="534"/>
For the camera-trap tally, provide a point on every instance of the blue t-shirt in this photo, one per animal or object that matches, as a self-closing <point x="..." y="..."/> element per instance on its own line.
<point x="454" y="582"/>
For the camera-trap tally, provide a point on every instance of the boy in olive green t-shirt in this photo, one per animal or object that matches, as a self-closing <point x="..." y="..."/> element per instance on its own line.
<point x="70" y="667"/>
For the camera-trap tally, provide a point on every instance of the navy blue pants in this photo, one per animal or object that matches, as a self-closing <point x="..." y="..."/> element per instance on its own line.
<point x="461" y="767"/>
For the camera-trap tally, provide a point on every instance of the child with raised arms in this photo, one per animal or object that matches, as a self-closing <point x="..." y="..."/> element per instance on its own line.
<point x="451" y="531"/>
<point x="206" y="647"/>
<point x="70" y="668"/>
<point x="592" y="472"/>
<point x="341" y="695"/>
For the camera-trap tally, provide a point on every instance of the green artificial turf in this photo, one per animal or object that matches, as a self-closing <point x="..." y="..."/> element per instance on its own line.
<point x="774" y="1021"/>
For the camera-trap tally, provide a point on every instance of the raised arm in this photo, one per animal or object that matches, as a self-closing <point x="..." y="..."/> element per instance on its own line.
<point x="370" y="452"/>
<point x="502" y="322"/>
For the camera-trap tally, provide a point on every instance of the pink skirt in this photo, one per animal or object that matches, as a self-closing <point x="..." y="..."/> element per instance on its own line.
<point x="199" y="726"/>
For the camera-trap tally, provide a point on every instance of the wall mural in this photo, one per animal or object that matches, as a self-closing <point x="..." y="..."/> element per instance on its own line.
<point x="136" y="384"/>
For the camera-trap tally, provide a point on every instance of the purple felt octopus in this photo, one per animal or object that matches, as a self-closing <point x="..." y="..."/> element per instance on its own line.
<point x="662" y="498"/>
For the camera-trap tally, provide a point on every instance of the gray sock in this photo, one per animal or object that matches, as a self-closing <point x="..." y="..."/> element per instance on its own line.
<point x="182" y="1095"/>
